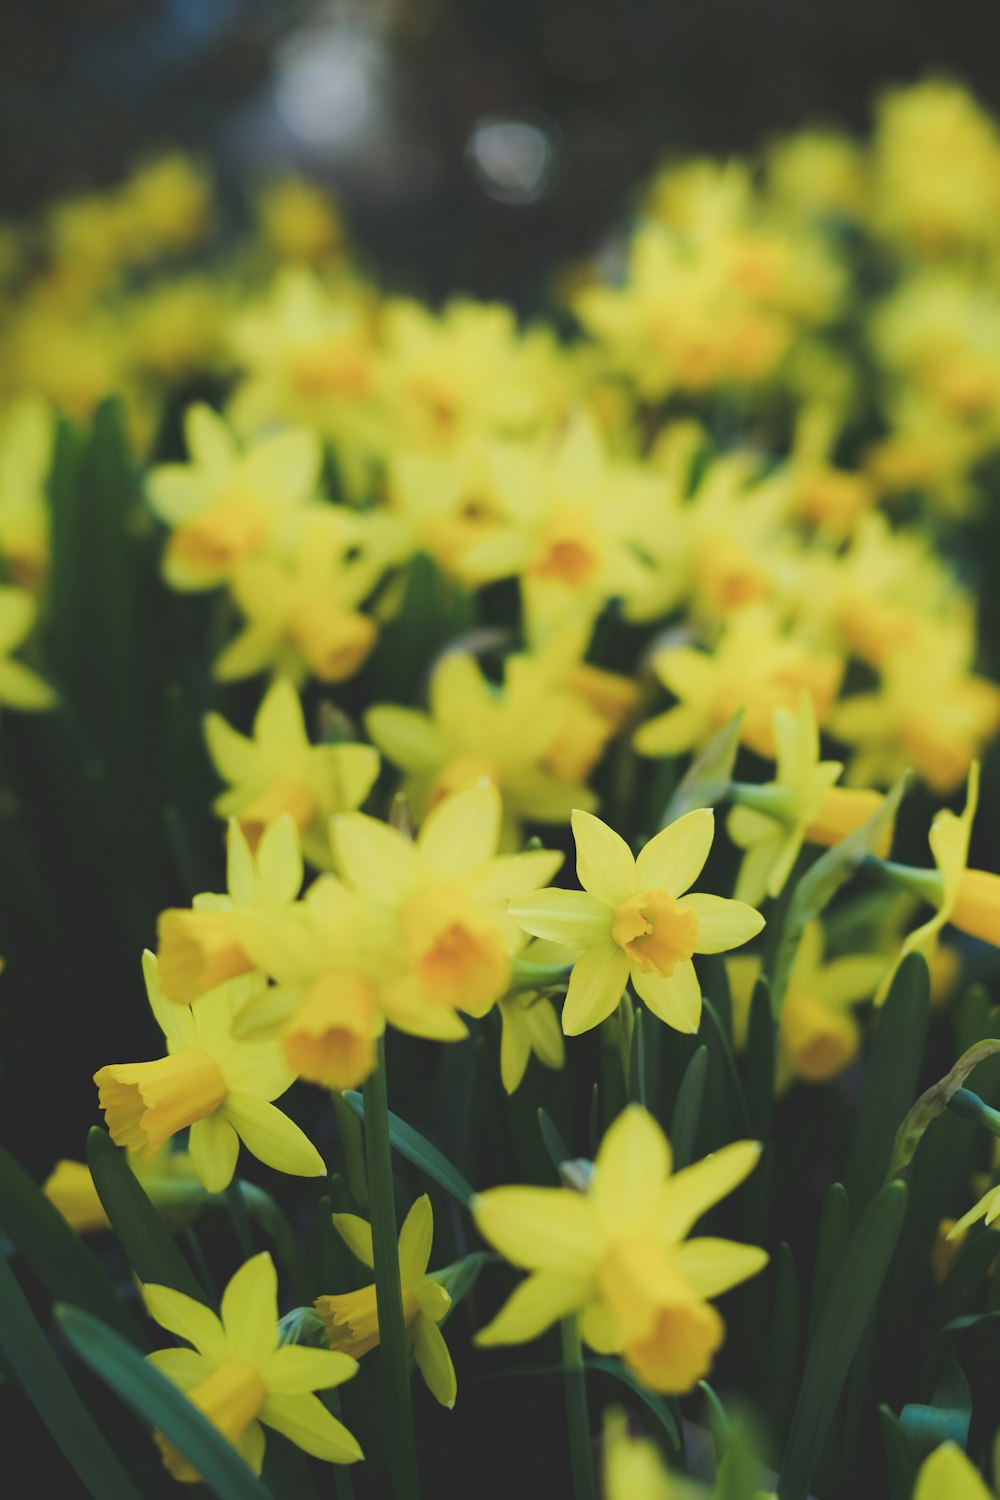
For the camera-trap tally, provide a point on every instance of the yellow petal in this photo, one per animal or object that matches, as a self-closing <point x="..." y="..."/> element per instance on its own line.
<point x="185" y="1367"/>
<point x="272" y="1137"/>
<point x="632" y="1164"/>
<point x="534" y="1306"/>
<point x="462" y="831"/>
<point x="190" y="1320"/>
<point x="307" y="1423"/>
<point x="376" y="859"/>
<point x="712" y="1266"/>
<point x="250" y="1309"/>
<point x="415" y="1240"/>
<point x="356" y="1234"/>
<point x="722" y="924"/>
<point x="408" y="738"/>
<point x="948" y="1475"/>
<point x="688" y="1195"/>
<point x="574" y="918"/>
<point x="595" y="987"/>
<point x="674" y="858"/>
<point x="543" y="1229"/>
<point x="214" y="1148"/>
<point x="434" y="1361"/>
<point x="604" y="863"/>
<point x="292" y="1370"/>
<point x="676" y="999"/>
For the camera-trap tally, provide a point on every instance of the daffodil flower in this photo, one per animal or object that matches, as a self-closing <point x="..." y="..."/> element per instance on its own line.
<point x="201" y="948"/>
<point x="618" y="1256"/>
<point x="276" y="770"/>
<point x="634" y="1469"/>
<point x="238" y="1375"/>
<point x="968" y="899"/>
<point x="530" y="1026"/>
<point x="20" y="688"/>
<point x="947" y="1472"/>
<point x="801" y="805"/>
<point x="351" y="1318"/>
<point x="633" y="921"/>
<point x="209" y="1081"/>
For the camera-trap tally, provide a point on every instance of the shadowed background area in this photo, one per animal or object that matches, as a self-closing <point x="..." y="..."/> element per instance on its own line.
<point x="474" y="144"/>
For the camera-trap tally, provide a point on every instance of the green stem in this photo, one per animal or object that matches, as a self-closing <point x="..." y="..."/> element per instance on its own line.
<point x="343" y="1483"/>
<point x="581" y="1454"/>
<point x="393" y="1354"/>
<point x="203" y="1270"/>
<point x="240" y="1218"/>
<point x="928" y="885"/>
<point x="352" y="1140"/>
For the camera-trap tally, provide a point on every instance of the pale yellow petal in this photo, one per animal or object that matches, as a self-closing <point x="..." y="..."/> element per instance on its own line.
<point x="676" y="999"/>
<point x="596" y="985"/>
<point x="434" y="1361"/>
<point x="543" y="1229"/>
<point x="188" y="1319"/>
<point x="307" y="1423"/>
<point x="695" y="1190"/>
<point x="356" y="1234"/>
<point x="293" y="1370"/>
<point x="712" y="1266"/>
<point x="213" y="1146"/>
<point x="574" y="918"/>
<point x="604" y="863"/>
<point x="462" y="831"/>
<point x="540" y="1301"/>
<point x="415" y="1240"/>
<point x="674" y="858"/>
<point x="272" y="1137"/>
<point x="722" y="924"/>
<point x="632" y="1164"/>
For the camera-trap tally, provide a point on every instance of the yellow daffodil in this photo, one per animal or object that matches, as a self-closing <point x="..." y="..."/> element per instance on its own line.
<point x="168" y="1178"/>
<point x="351" y="1318"/>
<point x="633" y="1468"/>
<point x="818" y="1035"/>
<point x="223" y="503"/>
<point x="299" y="220"/>
<point x="301" y="600"/>
<point x="633" y="921"/>
<point x="276" y="770"/>
<point x="530" y="1026"/>
<point x="169" y="201"/>
<point x="209" y="1081"/>
<point x="239" y="1376"/>
<point x="473" y="730"/>
<point x="755" y="667"/>
<point x="20" y="688"/>
<point x="27" y="438"/>
<point x="449" y="890"/>
<point x="618" y="1256"/>
<point x="801" y="805"/>
<point x="946" y="1474"/>
<point x="968" y="899"/>
<point x="201" y="948"/>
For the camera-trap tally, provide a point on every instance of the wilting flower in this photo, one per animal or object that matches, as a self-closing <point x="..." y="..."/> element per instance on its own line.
<point x="238" y="1376"/>
<point x="351" y="1318"/>
<point x="209" y="1081"/>
<point x="618" y="1257"/>
<point x="633" y="920"/>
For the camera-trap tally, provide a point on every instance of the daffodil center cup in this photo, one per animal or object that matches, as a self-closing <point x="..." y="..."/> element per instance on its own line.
<point x="147" y="1103"/>
<point x="655" y="931"/>
<point x="230" y="1398"/>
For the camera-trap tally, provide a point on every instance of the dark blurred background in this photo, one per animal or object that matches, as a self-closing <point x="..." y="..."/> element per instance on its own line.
<point x="474" y="143"/>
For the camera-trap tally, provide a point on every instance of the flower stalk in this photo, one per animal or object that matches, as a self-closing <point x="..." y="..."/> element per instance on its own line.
<point x="577" y="1416"/>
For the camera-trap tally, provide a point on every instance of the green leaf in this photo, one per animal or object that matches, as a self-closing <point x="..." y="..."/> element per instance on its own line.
<point x="782" y="1376"/>
<point x="967" y="1273"/>
<point x="654" y="1404"/>
<point x="821" y="882"/>
<point x="706" y="781"/>
<point x="718" y="1041"/>
<point x="831" y="1243"/>
<point x="55" y="1252"/>
<point x="153" y="1397"/>
<point x="266" y="1214"/>
<point x="552" y="1139"/>
<point x="900" y="1460"/>
<point x="687" y="1110"/>
<point x="637" y="1061"/>
<point x="149" y="1248"/>
<point x="460" y="1277"/>
<point x="418" y="1150"/>
<point x="29" y="1355"/>
<point x="891" y="1080"/>
<point x="948" y="1416"/>
<point x="759" y="1061"/>
<point x="848" y="1310"/>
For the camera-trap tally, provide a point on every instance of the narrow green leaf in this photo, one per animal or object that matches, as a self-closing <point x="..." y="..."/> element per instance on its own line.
<point x="706" y="781"/>
<point x="460" y="1277"/>
<point x="900" y="1461"/>
<point x="718" y="1041"/>
<point x="637" y="1061"/>
<point x="418" y="1150"/>
<point x="654" y="1404"/>
<point x="165" y="1407"/>
<point x="55" y="1252"/>
<point x="150" y="1250"/>
<point x="552" y="1139"/>
<point x="967" y="1274"/>
<point x="891" y="1079"/>
<point x="844" y="1318"/>
<point x="782" y="1376"/>
<point x="831" y="1243"/>
<point x="687" y="1110"/>
<point x="31" y="1360"/>
<point x="266" y="1214"/>
<point x="759" y="1060"/>
<point x="821" y="882"/>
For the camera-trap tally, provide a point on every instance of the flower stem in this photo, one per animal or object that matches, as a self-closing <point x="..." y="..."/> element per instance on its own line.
<point x="969" y="1105"/>
<point x="240" y="1218"/>
<point x="577" y="1416"/>
<point x="402" y="1445"/>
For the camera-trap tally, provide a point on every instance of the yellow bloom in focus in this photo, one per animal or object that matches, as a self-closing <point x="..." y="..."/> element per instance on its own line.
<point x="27" y="438"/>
<point x="818" y="1035"/>
<point x="238" y="1375"/>
<point x="801" y="805"/>
<point x="512" y="735"/>
<point x="618" y="1256"/>
<point x="20" y="688"/>
<point x="168" y="1179"/>
<point x="302" y="597"/>
<point x="276" y="770"/>
<point x="449" y="891"/>
<point x="755" y="667"/>
<point x="201" y="948"/>
<point x="222" y="505"/>
<point x="530" y="1026"/>
<point x="968" y="899"/>
<point x="632" y="921"/>
<point x="946" y="1474"/>
<point x="351" y="1318"/>
<point x="209" y="1081"/>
